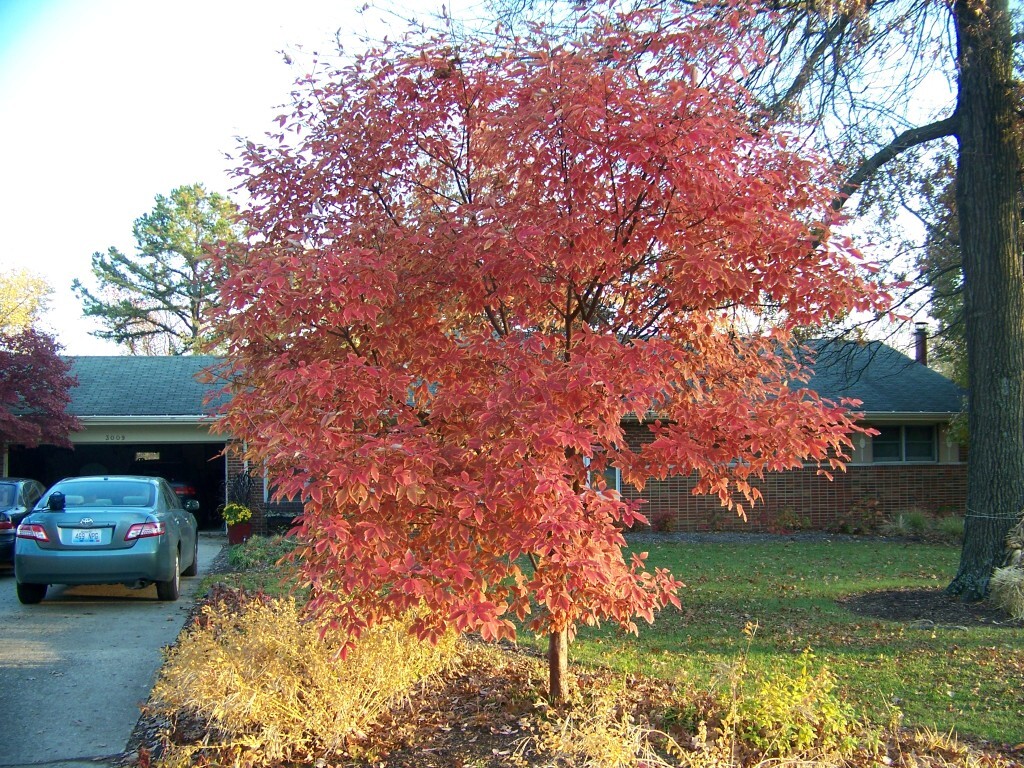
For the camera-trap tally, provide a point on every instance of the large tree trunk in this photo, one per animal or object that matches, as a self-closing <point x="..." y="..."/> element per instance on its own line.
<point x="558" y="667"/>
<point x="988" y="204"/>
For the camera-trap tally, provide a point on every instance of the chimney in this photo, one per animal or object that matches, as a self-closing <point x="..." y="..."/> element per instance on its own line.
<point x="921" y="342"/>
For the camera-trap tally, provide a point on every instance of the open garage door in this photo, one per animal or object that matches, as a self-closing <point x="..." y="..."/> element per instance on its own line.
<point x="197" y="469"/>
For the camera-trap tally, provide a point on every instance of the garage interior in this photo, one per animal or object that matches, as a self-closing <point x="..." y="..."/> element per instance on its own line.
<point x="200" y="466"/>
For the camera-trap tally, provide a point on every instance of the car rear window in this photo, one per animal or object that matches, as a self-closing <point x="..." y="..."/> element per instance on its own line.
<point x="105" y="493"/>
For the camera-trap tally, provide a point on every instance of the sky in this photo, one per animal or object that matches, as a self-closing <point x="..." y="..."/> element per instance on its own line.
<point x="105" y="104"/>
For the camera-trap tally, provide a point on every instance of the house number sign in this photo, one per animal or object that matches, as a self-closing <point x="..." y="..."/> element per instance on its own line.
<point x="114" y="438"/>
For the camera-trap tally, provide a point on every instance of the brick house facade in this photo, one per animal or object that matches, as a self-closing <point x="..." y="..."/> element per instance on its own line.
<point x="913" y="463"/>
<point x="853" y="501"/>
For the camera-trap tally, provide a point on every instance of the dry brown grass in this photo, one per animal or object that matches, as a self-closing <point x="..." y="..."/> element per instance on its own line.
<point x="1007" y="590"/>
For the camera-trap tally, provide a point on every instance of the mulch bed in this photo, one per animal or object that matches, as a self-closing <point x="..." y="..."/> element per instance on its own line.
<point x="927" y="607"/>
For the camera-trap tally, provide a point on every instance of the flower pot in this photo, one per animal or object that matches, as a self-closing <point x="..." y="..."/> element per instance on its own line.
<point x="239" y="533"/>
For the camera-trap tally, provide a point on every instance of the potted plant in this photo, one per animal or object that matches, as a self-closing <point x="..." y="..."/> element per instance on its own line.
<point x="238" y="519"/>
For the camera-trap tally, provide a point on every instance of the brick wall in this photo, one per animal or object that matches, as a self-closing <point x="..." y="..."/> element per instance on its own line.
<point x="235" y="467"/>
<point x="856" y="500"/>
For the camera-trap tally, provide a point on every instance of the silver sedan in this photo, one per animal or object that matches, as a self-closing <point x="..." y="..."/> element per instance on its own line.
<point x="107" y="530"/>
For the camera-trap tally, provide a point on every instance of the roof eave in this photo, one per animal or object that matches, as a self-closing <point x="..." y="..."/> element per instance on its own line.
<point x="151" y="419"/>
<point x="905" y="417"/>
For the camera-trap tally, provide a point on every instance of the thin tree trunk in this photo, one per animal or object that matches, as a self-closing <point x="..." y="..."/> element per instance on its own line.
<point x="558" y="667"/>
<point x="989" y="209"/>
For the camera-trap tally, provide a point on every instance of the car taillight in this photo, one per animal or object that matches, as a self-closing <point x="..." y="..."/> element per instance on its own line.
<point x="145" y="530"/>
<point x="5" y="523"/>
<point x="32" y="531"/>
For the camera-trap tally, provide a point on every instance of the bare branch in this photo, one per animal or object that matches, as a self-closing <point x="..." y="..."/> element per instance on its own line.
<point x="910" y="138"/>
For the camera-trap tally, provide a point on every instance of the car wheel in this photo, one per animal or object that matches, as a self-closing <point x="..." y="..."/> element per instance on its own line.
<point x="30" y="594"/>
<point x="169" y="590"/>
<point x="193" y="569"/>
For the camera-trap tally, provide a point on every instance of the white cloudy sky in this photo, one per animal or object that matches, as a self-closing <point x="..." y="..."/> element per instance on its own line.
<point x="106" y="103"/>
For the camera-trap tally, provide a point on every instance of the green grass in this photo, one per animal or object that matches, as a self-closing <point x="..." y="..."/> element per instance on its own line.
<point x="964" y="679"/>
<point x="255" y="567"/>
<point x="961" y="679"/>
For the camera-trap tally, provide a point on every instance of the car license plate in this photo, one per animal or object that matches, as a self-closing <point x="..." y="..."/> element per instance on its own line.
<point x="87" y="536"/>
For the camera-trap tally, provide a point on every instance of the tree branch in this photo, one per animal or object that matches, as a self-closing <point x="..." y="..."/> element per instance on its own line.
<point x="910" y="138"/>
<point x="804" y="75"/>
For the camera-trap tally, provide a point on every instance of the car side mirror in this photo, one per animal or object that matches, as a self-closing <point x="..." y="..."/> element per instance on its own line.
<point x="56" y="502"/>
<point x="191" y="505"/>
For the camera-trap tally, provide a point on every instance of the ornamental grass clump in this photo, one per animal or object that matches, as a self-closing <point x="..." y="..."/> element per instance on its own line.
<point x="1006" y="590"/>
<point x="266" y="688"/>
<point x="1006" y="587"/>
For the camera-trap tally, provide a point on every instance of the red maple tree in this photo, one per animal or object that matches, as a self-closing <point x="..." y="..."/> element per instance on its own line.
<point x="34" y="390"/>
<point x="470" y="261"/>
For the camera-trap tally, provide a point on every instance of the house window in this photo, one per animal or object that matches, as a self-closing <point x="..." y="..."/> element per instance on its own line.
<point x="906" y="443"/>
<point x="611" y="478"/>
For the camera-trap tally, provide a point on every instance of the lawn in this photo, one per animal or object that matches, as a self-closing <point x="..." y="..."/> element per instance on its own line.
<point x="964" y="678"/>
<point x="943" y="676"/>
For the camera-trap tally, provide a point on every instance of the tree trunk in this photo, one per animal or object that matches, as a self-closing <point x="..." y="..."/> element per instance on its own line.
<point x="989" y="208"/>
<point x="558" y="667"/>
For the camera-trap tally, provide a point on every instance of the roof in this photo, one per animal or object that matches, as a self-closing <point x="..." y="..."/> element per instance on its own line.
<point x="883" y="379"/>
<point x="140" y="386"/>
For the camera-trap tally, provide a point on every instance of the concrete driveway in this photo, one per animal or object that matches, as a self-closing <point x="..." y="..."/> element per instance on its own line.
<point x="75" y="669"/>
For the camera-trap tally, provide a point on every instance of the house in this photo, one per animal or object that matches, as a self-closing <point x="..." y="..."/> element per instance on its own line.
<point x="913" y="463"/>
<point x="150" y="415"/>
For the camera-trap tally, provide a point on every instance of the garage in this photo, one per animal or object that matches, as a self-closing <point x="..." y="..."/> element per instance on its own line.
<point x="139" y="415"/>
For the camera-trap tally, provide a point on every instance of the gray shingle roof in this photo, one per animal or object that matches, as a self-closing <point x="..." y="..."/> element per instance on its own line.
<point x="140" y="386"/>
<point x="885" y="380"/>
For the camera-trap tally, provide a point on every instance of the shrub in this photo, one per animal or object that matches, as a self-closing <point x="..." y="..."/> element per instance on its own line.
<point x="598" y="733"/>
<point x="775" y="715"/>
<point x="260" y="551"/>
<point x="787" y="519"/>
<point x="917" y="524"/>
<point x="663" y="522"/>
<point x="912" y="522"/>
<point x="269" y="689"/>
<point x="950" y="528"/>
<point x="798" y="715"/>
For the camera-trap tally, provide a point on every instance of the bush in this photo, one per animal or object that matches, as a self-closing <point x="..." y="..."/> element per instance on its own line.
<point x="950" y="528"/>
<point x="798" y="715"/>
<point x="269" y="689"/>
<point x="909" y="523"/>
<point x="600" y="733"/>
<point x="917" y="524"/>
<point x="775" y="715"/>
<point x="260" y="551"/>
<point x="744" y="719"/>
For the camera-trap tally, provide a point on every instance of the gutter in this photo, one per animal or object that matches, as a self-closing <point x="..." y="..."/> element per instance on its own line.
<point x="144" y="420"/>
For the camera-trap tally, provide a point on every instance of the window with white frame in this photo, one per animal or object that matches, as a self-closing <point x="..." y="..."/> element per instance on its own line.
<point x="905" y="443"/>
<point x="612" y="479"/>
